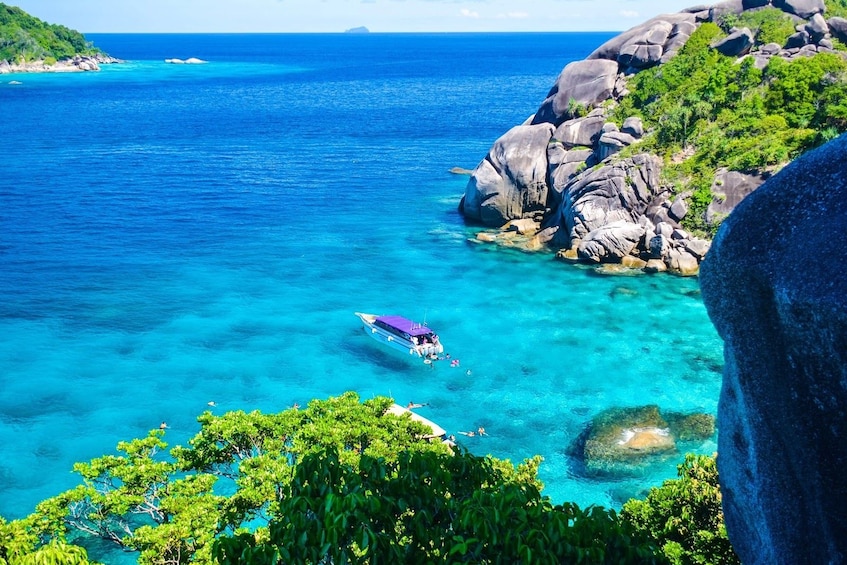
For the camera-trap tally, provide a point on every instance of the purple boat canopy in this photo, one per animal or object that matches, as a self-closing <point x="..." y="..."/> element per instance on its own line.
<point x="404" y="325"/>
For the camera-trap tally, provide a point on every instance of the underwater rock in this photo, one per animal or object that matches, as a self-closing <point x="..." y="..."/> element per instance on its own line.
<point x="623" y="440"/>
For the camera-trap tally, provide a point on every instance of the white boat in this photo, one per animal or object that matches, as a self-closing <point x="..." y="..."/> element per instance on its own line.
<point x="437" y="431"/>
<point x="402" y="334"/>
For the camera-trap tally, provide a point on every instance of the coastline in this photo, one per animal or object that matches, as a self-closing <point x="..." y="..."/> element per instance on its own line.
<point x="79" y="63"/>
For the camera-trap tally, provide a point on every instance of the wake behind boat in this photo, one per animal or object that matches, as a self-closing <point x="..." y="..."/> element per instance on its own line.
<point x="402" y="334"/>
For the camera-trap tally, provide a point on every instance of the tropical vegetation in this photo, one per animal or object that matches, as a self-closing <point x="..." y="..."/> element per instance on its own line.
<point x="706" y="111"/>
<point x="26" y="38"/>
<point x="344" y="481"/>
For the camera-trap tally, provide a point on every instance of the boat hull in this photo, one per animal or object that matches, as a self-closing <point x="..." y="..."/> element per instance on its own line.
<point x="397" y="342"/>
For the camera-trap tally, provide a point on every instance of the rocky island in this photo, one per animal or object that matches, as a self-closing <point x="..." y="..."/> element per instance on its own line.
<point x="29" y="45"/>
<point x="641" y="150"/>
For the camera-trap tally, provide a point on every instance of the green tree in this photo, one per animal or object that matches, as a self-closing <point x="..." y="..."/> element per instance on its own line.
<point x="20" y="546"/>
<point x="684" y="515"/>
<point x="23" y="37"/>
<point x="170" y="505"/>
<point x="428" y="507"/>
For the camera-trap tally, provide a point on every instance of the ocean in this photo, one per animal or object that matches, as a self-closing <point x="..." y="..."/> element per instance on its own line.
<point x="174" y="235"/>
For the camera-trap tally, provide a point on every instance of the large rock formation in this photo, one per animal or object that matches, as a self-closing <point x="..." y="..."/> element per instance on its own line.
<point x="562" y="168"/>
<point x="774" y="284"/>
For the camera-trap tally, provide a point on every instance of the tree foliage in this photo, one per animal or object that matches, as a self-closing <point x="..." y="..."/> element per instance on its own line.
<point x="344" y="481"/>
<point x="684" y="516"/>
<point x="429" y="507"/>
<point x="707" y="111"/>
<point x="24" y="37"/>
<point x="20" y="546"/>
<point x="169" y="505"/>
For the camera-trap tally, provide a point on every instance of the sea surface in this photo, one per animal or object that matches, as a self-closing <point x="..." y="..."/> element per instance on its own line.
<point x="174" y="235"/>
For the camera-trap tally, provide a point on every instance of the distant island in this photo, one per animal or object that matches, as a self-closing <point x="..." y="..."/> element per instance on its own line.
<point x="28" y="44"/>
<point x="360" y="29"/>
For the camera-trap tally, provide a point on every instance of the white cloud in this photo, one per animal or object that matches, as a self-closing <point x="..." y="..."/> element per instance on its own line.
<point x="469" y="13"/>
<point x="629" y="13"/>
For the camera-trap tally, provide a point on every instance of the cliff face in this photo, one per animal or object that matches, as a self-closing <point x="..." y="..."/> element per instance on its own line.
<point x="563" y="168"/>
<point x="775" y="288"/>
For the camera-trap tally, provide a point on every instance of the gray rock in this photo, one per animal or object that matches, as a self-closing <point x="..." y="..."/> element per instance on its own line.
<point x="698" y="247"/>
<point x="611" y="242"/>
<point x="817" y="28"/>
<point x="799" y="39"/>
<point x="612" y="142"/>
<point x="658" y="246"/>
<point x="728" y="190"/>
<point x="613" y="192"/>
<point x="760" y="60"/>
<point x="752" y="4"/>
<point x="655" y="266"/>
<point x="838" y="28"/>
<point x="580" y="132"/>
<point x="524" y="226"/>
<point x="730" y="7"/>
<point x="640" y="55"/>
<point x="679" y="209"/>
<point x="609" y="127"/>
<point x="770" y="48"/>
<point x="774" y="286"/>
<point x="665" y="229"/>
<point x="586" y="83"/>
<point x="511" y="182"/>
<point x="803" y="8"/>
<point x="680" y="234"/>
<point x="633" y="126"/>
<point x="645" y="34"/>
<point x="682" y="262"/>
<point x="563" y="165"/>
<point x="736" y="43"/>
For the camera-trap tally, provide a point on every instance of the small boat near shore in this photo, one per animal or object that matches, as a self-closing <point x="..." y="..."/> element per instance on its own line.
<point x="437" y="431"/>
<point x="402" y="334"/>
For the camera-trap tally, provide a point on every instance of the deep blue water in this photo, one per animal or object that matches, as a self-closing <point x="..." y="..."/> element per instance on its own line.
<point x="173" y="235"/>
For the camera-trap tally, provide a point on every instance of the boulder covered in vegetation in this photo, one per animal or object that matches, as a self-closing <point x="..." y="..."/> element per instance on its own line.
<point x="667" y="127"/>
<point x="775" y="288"/>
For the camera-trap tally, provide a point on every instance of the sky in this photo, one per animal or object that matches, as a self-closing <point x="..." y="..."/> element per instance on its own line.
<point x="321" y="16"/>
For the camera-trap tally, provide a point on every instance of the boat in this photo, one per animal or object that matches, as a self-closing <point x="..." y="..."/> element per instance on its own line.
<point x="402" y="334"/>
<point x="437" y="432"/>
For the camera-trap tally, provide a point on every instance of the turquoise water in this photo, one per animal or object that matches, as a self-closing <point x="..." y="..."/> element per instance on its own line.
<point x="175" y="235"/>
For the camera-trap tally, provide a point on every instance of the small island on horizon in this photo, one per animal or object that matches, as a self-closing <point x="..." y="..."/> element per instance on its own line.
<point x="360" y="29"/>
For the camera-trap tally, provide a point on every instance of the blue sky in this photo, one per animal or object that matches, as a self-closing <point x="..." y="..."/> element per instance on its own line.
<point x="286" y="16"/>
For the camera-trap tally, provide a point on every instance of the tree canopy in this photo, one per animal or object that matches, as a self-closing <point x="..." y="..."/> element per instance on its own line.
<point x="344" y="481"/>
<point x="24" y="37"/>
<point x="707" y="111"/>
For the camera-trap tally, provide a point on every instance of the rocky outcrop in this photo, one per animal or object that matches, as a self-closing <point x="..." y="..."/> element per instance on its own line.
<point x="775" y="288"/>
<point x="581" y="176"/>
<point x="580" y="84"/>
<point x="623" y="440"/>
<point x="729" y="189"/>
<point x="650" y="43"/>
<point x="511" y="182"/>
<point x="79" y="63"/>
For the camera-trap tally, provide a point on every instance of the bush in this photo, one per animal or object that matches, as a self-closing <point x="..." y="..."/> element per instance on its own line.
<point x="684" y="515"/>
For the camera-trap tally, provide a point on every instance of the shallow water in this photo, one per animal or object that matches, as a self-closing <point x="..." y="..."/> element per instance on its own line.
<point x="174" y="235"/>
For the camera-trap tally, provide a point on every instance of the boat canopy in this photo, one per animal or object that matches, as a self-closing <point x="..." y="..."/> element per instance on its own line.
<point x="404" y="325"/>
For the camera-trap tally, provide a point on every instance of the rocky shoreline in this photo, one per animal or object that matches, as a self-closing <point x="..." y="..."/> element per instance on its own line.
<point x="557" y="182"/>
<point x="79" y="63"/>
